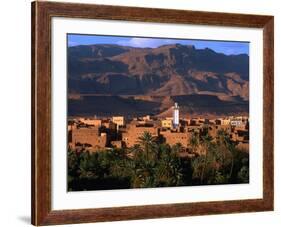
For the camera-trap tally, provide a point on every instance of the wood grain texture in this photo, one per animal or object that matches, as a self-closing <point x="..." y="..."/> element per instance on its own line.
<point x="41" y="115"/>
<point x="42" y="12"/>
<point x="268" y="113"/>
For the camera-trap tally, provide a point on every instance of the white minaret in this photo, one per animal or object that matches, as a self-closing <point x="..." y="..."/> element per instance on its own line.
<point x="176" y="115"/>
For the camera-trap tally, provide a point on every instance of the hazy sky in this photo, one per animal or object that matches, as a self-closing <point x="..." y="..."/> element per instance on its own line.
<point x="218" y="46"/>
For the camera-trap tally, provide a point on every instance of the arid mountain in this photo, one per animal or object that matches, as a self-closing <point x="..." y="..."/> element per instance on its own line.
<point x="148" y="80"/>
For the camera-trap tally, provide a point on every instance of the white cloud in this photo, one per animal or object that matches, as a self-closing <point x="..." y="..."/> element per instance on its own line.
<point x="145" y="42"/>
<point x="71" y="43"/>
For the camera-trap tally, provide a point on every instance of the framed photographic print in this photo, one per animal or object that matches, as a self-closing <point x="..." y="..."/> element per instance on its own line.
<point x="144" y="113"/>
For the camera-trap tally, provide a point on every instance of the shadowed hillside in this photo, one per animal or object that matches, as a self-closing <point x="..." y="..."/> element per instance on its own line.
<point x="136" y="81"/>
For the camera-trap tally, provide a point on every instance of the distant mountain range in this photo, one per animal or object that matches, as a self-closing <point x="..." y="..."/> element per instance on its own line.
<point x="112" y="79"/>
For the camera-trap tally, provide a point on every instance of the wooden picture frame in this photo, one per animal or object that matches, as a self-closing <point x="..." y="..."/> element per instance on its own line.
<point x="42" y="12"/>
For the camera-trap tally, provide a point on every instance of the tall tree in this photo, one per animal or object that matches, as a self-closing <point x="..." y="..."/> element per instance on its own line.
<point x="194" y="141"/>
<point x="147" y="143"/>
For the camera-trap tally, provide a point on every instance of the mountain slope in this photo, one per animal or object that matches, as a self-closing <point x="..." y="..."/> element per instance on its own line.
<point x="168" y="71"/>
<point x="146" y="70"/>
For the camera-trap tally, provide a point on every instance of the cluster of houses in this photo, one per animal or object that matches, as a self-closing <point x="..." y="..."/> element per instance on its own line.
<point x="95" y="134"/>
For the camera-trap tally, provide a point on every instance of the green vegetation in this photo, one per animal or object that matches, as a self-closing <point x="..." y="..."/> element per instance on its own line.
<point x="152" y="163"/>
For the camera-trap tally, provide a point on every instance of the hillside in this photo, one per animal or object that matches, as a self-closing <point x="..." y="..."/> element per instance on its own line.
<point x="141" y="80"/>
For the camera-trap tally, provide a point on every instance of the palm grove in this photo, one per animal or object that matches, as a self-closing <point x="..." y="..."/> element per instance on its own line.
<point x="153" y="163"/>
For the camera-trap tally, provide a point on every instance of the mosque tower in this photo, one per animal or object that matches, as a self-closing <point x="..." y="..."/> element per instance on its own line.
<point x="176" y="115"/>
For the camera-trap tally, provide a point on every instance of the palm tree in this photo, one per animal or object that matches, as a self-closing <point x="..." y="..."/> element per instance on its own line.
<point x="134" y="151"/>
<point x="227" y="149"/>
<point x="168" y="167"/>
<point x="231" y="150"/>
<point x="194" y="141"/>
<point x="206" y="142"/>
<point x="147" y="143"/>
<point x="177" y="147"/>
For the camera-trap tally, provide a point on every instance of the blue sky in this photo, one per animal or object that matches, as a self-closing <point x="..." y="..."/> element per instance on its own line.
<point x="227" y="48"/>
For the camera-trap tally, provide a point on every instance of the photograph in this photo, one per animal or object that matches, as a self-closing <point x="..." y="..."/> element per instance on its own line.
<point x="148" y="112"/>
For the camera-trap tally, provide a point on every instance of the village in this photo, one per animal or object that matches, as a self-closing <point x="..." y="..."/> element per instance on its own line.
<point x="98" y="134"/>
